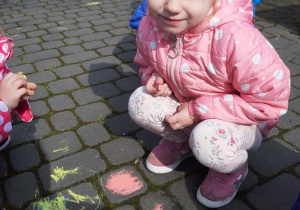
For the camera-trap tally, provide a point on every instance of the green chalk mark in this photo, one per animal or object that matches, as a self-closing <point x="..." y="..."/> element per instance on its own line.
<point x="94" y="3"/>
<point x="59" y="203"/>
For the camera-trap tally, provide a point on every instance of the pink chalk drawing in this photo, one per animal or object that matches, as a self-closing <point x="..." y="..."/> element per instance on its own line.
<point x="158" y="206"/>
<point x="123" y="183"/>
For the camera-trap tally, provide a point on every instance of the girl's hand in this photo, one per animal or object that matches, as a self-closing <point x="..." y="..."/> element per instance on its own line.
<point x="12" y="88"/>
<point x="31" y="87"/>
<point x="181" y="119"/>
<point x="156" y="86"/>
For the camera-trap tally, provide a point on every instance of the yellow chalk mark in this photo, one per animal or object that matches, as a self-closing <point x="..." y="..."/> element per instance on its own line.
<point x="60" y="173"/>
<point x="58" y="203"/>
<point x="94" y="3"/>
<point x="79" y="198"/>
<point x="65" y="149"/>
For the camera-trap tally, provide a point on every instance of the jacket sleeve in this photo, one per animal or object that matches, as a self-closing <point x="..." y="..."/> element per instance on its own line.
<point x="138" y="14"/>
<point x="23" y="110"/>
<point x="146" y="69"/>
<point x="260" y="78"/>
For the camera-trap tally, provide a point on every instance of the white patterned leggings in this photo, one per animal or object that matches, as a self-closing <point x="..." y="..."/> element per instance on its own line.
<point x="217" y="144"/>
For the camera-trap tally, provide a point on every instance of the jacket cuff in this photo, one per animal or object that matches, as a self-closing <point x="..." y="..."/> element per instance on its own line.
<point x="193" y="111"/>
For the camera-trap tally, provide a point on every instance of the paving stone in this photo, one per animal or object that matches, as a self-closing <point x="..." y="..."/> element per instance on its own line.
<point x="121" y="124"/>
<point x="128" y="84"/>
<point x="295" y="81"/>
<point x="104" y="21"/>
<point x="39" y="108"/>
<point x="28" y="41"/>
<point x="63" y="85"/>
<point x="28" y="132"/>
<point x="93" y="112"/>
<point x="41" y="77"/>
<point x="294" y="105"/>
<point x="295" y="48"/>
<point x="78" y="32"/>
<point x="25" y="68"/>
<point x="97" y="77"/>
<point x="185" y="191"/>
<point x="71" y="169"/>
<point x="295" y="93"/>
<point x="53" y="44"/>
<point x="71" y="49"/>
<point x="279" y="193"/>
<point x="24" y="157"/>
<point x="71" y="41"/>
<point x="68" y="70"/>
<point x="280" y="42"/>
<point x="294" y="69"/>
<point x="122" y="150"/>
<point x="271" y="164"/>
<point x="3" y="168"/>
<point x="127" y="57"/>
<point x="276" y="31"/>
<point x="126" y="207"/>
<point x="120" y="103"/>
<point x="32" y="48"/>
<point x="297" y="170"/>
<point x="95" y="93"/>
<point x="60" y="145"/>
<point x="274" y="132"/>
<point x="95" y="36"/>
<point x="79" y="57"/>
<point x="186" y="167"/>
<point x="61" y="102"/>
<point x="93" y="45"/>
<point x="157" y="200"/>
<point x="106" y="51"/>
<point x="289" y="120"/>
<point x="149" y="139"/>
<point x="128" y="69"/>
<point x="53" y="37"/>
<point x="93" y="134"/>
<point x="236" y="205"/>
<point x="250" y="181"/>
<point x="49" y="64"/>
<point x="101" y="63"/>
<point x="89" y="199"/>
<point x="296" y="61"/>
<point x="286" y="55"/>
<point x="102" y="27"/>
<point x="63" y="120"/>
<point x="21" y="188"/>
<point x="119" y="39"/>
<point x="117" y="190"/>
<point x="292" y="137"/>
<point x="128" y="46"/>
<point x="41" y="55"/>
<point x="40" y="93"/>
<point x="120" y="31"/>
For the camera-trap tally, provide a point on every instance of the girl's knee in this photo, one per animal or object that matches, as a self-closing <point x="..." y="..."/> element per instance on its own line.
<point x="214" y="151"/>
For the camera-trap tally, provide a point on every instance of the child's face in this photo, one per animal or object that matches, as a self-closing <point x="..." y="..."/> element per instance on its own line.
<point x="176" y="16"/>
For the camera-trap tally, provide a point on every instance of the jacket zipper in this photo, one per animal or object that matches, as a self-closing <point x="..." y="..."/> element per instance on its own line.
<point x="173" y="53"/>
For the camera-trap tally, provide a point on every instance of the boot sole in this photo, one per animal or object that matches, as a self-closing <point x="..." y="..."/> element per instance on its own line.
<point x="166" y="169"/>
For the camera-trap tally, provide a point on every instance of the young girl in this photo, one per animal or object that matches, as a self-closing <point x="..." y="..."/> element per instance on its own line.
<point x="14" y="93"/>
<point x="213" y="86"/>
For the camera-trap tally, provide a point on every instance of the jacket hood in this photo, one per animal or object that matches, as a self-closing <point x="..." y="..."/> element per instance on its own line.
<point x="226" y="11"/>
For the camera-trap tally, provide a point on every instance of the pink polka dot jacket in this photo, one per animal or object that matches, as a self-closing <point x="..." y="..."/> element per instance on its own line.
<point x="23" y="111"/>
<point x="224" y="67"/>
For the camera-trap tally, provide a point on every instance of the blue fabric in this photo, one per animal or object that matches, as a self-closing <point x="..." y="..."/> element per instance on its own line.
<point x="138" y="14"/>
<point x="296" y="206"/>
<point x="255" y="2"/>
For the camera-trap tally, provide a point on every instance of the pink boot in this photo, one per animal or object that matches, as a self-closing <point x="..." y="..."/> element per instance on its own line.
<point x="166" y="156"/>
<point x="219" y="189"/>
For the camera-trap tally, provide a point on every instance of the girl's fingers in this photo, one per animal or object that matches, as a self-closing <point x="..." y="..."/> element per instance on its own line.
<point x="31" y="86"/>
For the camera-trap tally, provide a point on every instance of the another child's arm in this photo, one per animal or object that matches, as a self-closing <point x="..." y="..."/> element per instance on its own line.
<point x="12" y="88"/>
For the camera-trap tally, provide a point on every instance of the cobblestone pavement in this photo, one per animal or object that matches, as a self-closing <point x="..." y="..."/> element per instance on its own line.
<point x="82" y="151"/>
